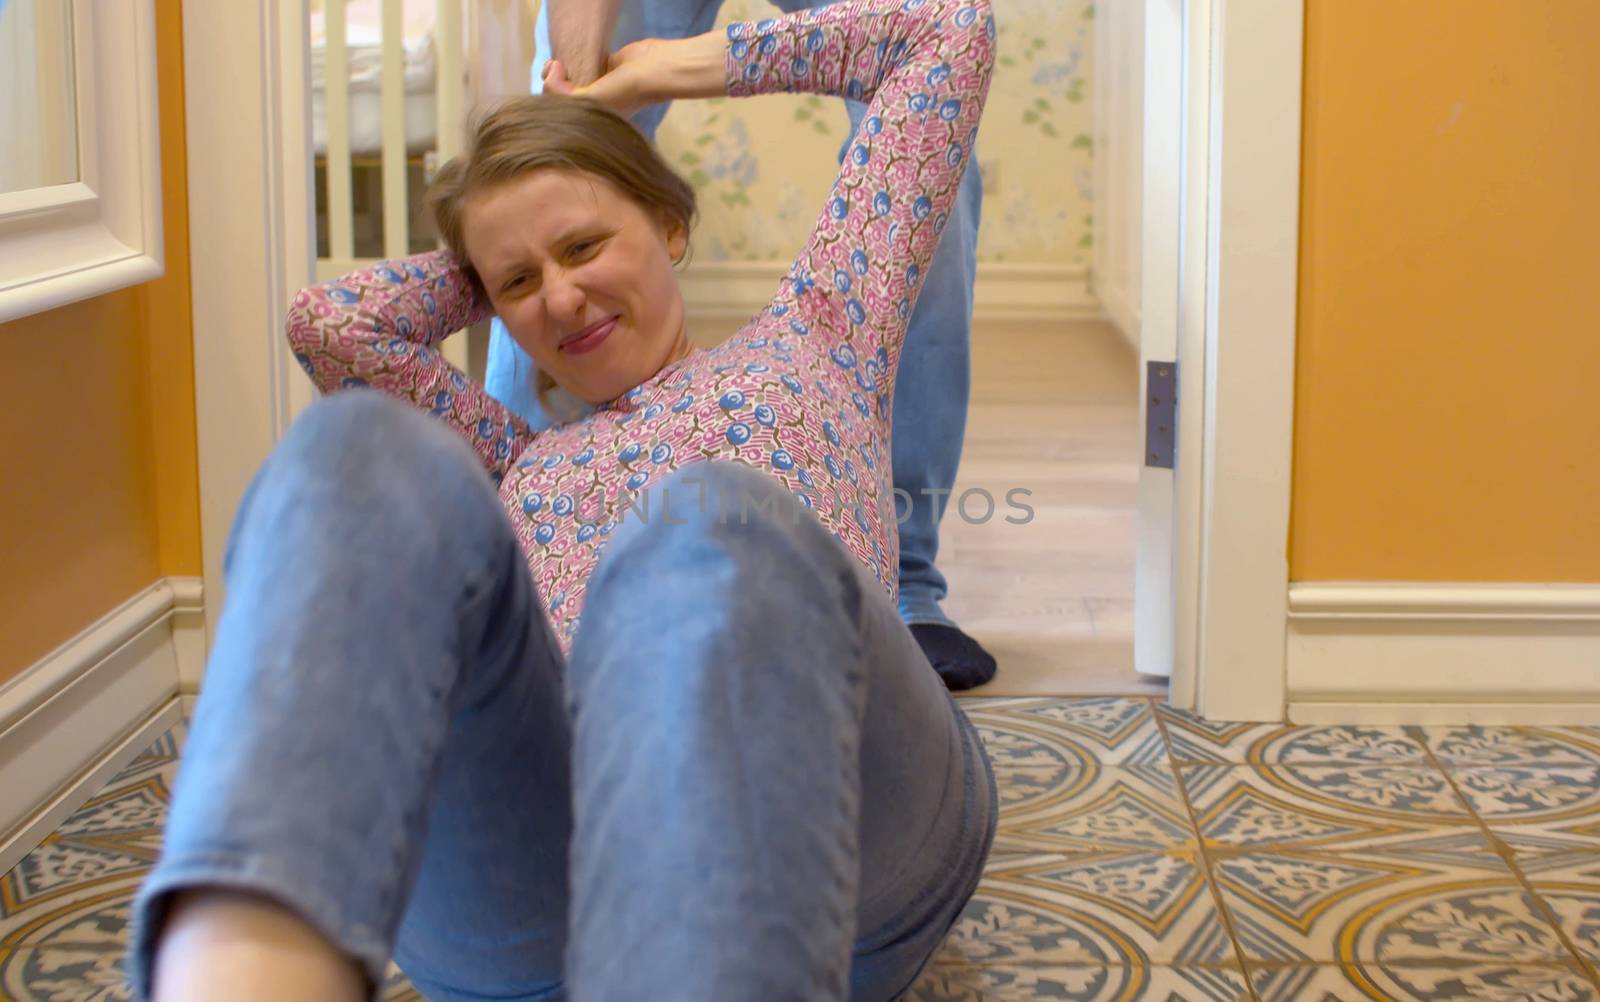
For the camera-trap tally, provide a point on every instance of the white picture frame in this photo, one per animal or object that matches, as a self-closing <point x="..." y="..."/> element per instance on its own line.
<point x="68" y="242"/>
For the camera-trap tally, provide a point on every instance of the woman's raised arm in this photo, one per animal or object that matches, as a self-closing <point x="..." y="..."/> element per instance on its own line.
<point x="923" y="66"/>
<point x="379" y="327"/>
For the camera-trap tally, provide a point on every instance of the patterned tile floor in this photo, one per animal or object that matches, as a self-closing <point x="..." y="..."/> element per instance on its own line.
<point x="1143" y="854"/>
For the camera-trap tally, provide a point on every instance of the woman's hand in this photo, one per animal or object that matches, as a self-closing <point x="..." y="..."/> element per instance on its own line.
<point x="649" y="71"/>
<point x="632" y="75"/>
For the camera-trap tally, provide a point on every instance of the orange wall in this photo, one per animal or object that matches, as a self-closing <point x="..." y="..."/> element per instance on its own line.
<point x="1446" y="424"/>
<point x="100" y="493"/>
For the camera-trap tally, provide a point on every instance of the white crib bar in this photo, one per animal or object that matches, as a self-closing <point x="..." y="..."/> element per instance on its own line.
<point x="341" y="240"/>
<point x="449" y="98"/>
<point x="451" y="82"/>
<point x="396" y="236"/>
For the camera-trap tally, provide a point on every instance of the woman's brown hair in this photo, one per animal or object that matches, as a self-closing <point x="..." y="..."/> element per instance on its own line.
<point x="542" y="131"/>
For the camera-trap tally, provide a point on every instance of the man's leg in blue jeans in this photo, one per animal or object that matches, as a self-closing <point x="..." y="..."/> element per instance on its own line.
<point x="932" y="387"/>
<point x="933" y="383"/>
<point x="764" y="793"/>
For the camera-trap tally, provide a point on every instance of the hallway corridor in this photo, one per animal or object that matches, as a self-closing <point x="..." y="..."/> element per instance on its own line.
<point x="1054" y="411"/>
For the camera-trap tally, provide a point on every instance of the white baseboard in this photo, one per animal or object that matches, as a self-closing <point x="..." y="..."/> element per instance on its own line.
<point x="1002" y="290"/>
<point x="188" y="631"/>
<point x="1523" y="714"/>
<point x="36" y="827"/>
<point x="1444" y="653"/>
<point x="79" y="714"/>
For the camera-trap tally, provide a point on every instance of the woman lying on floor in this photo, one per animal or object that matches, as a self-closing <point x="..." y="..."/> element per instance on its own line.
<point x="739" y="779"/>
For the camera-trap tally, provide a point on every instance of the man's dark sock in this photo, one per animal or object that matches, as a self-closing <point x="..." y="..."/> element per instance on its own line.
<point x="960" y="661"/>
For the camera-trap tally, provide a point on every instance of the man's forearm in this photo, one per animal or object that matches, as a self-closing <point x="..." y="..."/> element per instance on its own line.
<point x="580" y="35"/>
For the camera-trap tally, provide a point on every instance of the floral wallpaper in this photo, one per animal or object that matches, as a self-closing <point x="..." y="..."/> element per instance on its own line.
<point x="763" y="166"/>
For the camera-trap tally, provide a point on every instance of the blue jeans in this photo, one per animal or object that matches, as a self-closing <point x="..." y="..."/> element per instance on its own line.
<point x="934" y="380"/>
<point x="745" y="783"/>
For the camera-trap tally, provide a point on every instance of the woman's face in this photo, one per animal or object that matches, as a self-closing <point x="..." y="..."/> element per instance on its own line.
<point x="582" y="276"/>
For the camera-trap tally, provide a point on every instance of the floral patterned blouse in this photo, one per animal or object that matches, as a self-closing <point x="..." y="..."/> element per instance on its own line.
<point x="803" y="391"/>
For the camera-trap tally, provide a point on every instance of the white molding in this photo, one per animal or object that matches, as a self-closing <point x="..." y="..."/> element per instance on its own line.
<point x="1374" y="713"/>
<point x="1444" y="653"/>
<point x="1238" y="295"/>
<point x="47" y="819"/>
<point x="69" y="721"/>
<point x="189" y="630"/>
<point x="289" y="173"/>
<point x="62" y="667"/>
<point x="1445" y="601"/>
<point x="1002" y="290"/>
<point x="103" y="232"/>
<point x="250" y="230"/>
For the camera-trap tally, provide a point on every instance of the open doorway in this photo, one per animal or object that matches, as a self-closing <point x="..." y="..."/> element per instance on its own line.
<point x="1054" y="424"/>
<point x="1039" y="538"/>
<point x="1056" y="396"/>
<point x="1208" y="527"/>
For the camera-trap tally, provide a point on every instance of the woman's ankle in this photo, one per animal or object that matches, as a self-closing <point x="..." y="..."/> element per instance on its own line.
<point x="241" y="946"/>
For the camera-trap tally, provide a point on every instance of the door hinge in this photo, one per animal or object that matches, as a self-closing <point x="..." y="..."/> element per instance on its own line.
<point x="1161" y="413"/>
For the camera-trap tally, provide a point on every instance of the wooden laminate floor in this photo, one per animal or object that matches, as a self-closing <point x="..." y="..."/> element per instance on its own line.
<point x="1054" y="411"/>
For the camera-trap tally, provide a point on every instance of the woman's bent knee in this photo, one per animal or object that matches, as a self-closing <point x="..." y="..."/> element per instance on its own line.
<point x="377" y="454"/>
<point x="366" y="432"/>
<point x="358" y="459"/>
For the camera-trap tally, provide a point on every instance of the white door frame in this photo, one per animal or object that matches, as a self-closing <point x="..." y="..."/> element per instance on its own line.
<point x="1235" y="300"/>
<point x="1235" y="270"/>
<point x="250" y="227"/>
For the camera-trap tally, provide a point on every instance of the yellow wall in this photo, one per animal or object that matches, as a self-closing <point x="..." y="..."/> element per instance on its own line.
<point x="1446" y="423"/>
<point x="100" y="494"/>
